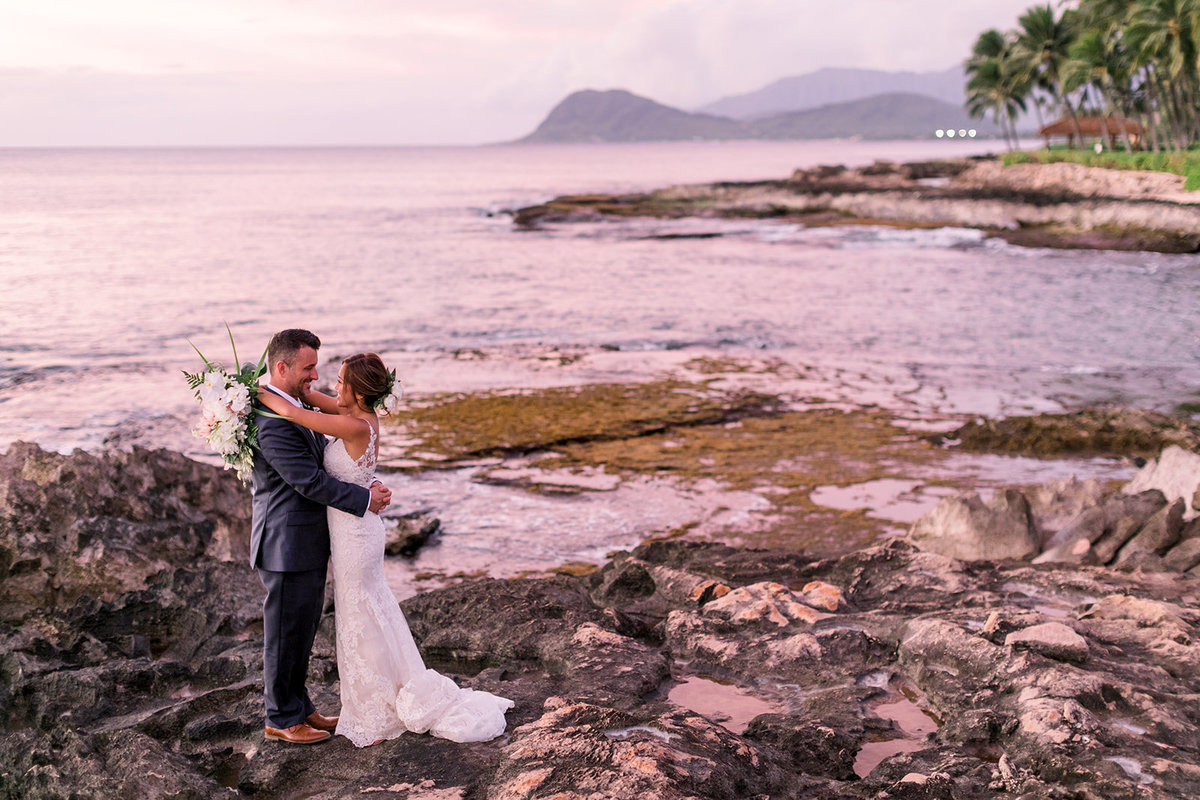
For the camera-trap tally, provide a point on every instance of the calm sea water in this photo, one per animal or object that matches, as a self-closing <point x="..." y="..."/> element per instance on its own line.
<point x="112" y="259"/>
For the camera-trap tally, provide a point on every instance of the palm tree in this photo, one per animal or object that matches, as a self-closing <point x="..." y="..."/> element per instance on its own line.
<point x="1139" y="57"/>
<point x="1164" y="35"/>
<point x="996" y="83"/>
<point x="1043" y="43"/>
<point x="1107" y="16"/>
<point x="1098" y="60"/>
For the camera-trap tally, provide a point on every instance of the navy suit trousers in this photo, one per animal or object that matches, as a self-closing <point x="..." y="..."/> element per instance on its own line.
<point x="291" y="615"/>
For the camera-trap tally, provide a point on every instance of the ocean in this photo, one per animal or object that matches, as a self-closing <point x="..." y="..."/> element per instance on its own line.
<point x="113" y="260"/>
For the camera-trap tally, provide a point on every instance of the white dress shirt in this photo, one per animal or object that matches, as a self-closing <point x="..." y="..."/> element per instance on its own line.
<point x="285" y="395"/>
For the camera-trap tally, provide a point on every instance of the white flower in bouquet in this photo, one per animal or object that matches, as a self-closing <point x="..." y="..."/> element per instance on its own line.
<point x="226" y="410"/>
<point x="212" y="391"/>
<point x="239" y="398"/>
<point x="224" y="439"/>
<point x="208" y="422"/>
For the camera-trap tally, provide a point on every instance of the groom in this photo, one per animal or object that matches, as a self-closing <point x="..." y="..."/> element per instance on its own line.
<point x="289" y="540"/>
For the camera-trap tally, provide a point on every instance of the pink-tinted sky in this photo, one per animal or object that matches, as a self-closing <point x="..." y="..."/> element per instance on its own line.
<point x="287" y="72"/>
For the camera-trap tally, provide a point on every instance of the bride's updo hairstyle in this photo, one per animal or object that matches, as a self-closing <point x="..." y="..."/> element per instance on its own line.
<point x="366" y="377"/>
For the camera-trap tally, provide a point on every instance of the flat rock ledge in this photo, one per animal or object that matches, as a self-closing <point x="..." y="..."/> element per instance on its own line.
<point x="1033" y="205"/>
<point x="888" y="672"/>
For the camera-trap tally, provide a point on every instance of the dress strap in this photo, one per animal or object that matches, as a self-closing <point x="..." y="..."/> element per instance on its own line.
<point x="368" y="456"/>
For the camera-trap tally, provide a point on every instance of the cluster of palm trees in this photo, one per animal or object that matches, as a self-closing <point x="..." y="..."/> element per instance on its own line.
<point x="1118" y="59"/>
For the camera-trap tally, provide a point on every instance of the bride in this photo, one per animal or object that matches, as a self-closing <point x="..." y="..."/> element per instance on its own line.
<point x="386" y="688"/>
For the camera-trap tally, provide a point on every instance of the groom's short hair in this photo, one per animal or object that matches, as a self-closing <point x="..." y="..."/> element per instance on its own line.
<point x="285" y="344"/>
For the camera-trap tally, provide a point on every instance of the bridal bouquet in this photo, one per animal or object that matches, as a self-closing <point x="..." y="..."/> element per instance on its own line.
<point x="226" y="409"/>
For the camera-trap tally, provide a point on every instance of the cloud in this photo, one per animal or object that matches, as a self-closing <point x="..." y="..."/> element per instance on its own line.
<point x="399" y="71"/>
<point x="70" y="108"/>
<point x="690" y="53"/>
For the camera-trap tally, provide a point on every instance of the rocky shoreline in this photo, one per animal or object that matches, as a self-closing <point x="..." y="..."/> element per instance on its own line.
<point x="1058" y="658"/>
<point x="1053" y="205"/>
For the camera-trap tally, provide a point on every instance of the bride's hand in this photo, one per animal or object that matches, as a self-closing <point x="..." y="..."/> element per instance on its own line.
<point x="381" y="496"/>
<point x="271" y="400"/>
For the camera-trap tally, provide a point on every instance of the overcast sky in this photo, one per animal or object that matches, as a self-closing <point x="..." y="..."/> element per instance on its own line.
<point x="217" y="72"/>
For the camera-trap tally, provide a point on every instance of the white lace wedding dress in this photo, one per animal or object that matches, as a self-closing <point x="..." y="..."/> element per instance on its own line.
<point x="386" y="688"/>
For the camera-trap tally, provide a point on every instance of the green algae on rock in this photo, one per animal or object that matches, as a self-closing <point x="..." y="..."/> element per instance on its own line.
<point x="783" y="457"/>
<point x="462" y="426"/>
<point x="702" y="437"/>
<point x="1116" y="432"/>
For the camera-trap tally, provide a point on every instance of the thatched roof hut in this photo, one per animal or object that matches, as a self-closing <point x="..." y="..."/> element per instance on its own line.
<point x="1093" y="128"/>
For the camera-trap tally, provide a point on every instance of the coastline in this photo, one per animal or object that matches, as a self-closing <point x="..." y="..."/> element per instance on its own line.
<point x="1033" y="205"/>
<point x="1022" y="640"/>
<point x="830" y="654"/>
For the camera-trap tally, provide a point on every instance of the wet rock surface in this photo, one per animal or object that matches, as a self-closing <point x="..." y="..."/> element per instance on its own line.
<point x="84" y="525"/>
<point x="410" y="533"/>
<point x="1055" y="205"/>
<point x="967" y="527"/>
<point x="890" y="671"/>
<point x="1150" y="523"/>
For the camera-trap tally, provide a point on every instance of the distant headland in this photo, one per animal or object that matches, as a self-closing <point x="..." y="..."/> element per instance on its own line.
<point x="827" y="104"/>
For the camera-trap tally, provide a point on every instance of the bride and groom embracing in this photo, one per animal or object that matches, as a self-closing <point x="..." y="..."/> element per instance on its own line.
<point x="313" y="498"/>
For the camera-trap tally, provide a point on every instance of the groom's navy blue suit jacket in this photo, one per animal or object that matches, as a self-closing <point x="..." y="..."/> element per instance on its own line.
<point x="289" y="532"/>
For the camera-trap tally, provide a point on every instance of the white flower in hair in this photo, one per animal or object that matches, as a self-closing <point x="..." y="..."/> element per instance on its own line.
<point x="391" y="403"/>
<point x="391" y="399"/>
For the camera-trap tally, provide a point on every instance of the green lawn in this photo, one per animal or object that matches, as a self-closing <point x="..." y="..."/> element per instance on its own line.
<point x="1186" y="163"/>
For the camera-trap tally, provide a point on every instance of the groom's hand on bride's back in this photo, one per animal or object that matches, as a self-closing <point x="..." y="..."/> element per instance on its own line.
<point x="381" y="496"/>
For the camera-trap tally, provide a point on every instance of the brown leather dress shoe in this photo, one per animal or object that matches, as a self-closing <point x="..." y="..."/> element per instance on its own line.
<point x="298" y="734"/>
<point x="315" y="720"/>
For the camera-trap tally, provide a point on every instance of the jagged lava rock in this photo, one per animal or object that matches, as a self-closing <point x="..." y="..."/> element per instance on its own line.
<point x="153" y="689"/>
<point x="1052" y="639"/>
<point x="1158" y="535"/>
<point x="1121" y="511"/>
<point x="81" y="524"/>
<point x="410" y="534"/>
<point x="966" y="527"/>
<point x="1176" y="473"/>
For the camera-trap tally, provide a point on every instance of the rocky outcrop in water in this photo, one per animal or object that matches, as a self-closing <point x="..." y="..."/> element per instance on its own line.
<point x="889" y="672"/>
<point x="1054" y="205"/>
<point x="410" y="533"/>
<point x="1152" y="523"/>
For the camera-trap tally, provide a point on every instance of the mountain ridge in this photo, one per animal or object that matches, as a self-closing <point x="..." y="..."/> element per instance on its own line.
<point x="894" y="115"/>
<point x="617" y="115"/>
<point x="832" y="85"/>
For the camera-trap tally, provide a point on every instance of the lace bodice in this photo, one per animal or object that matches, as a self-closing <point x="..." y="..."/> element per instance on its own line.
<point x="340" y="465"/>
